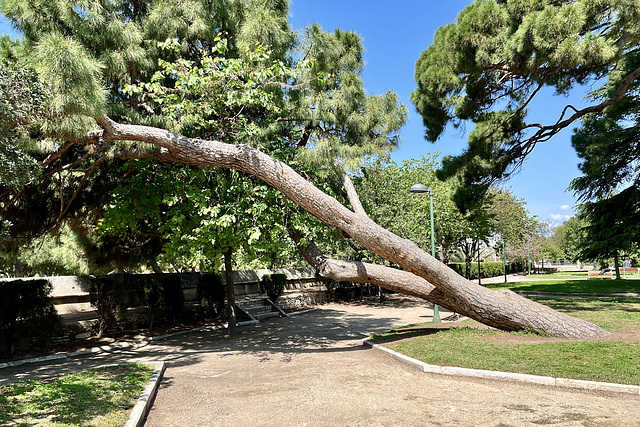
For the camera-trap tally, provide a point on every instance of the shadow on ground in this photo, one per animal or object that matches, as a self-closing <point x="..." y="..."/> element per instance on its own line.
<point x="327" y="329"/>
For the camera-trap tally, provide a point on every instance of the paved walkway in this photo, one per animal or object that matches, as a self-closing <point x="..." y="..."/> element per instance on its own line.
<point x="311" y="370"/>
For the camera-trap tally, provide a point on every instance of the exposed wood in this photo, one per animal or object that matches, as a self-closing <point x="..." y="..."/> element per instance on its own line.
<point x="231" y="294"/>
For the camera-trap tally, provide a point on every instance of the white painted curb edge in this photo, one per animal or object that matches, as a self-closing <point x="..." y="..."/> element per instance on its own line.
<point x="296" y="313"/>
<point x="481" y="373"/>
<point x="142" y="407"/>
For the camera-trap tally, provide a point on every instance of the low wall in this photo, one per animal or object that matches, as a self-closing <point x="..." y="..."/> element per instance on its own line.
<point x="72" y="300"/>
<point x="303" y="288"/>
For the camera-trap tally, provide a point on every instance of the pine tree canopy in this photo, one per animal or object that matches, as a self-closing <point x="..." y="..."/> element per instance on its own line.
<point x="488" y="66"/>
<point x="228" y="70"/>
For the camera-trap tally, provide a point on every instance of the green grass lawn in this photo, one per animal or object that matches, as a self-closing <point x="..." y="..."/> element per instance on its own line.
<point x="582" y="275"/>
<point x="96" y="397"/>
<point x="467" y="347"/>
<point x="573" y="286"/>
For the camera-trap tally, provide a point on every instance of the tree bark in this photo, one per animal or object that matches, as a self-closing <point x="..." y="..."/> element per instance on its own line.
<point x="231" y="292"/>
<point x="501" y="309"/>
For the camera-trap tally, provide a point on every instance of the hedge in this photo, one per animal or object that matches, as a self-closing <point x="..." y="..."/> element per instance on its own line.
<point x="211" y="294"/>
<point x="26" y="311"/>
<point x="488" y="269"/>
<point x="161" y="294"/>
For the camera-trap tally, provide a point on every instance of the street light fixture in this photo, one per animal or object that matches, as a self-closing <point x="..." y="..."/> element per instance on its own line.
<point x="420" y="188"/>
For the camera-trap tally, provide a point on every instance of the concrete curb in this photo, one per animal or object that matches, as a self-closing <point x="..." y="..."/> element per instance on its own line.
<point x="142" y="407"/>
<point x="576" y="294"/>
<point x="295" y="313"/>
<point x="481" y="373"/>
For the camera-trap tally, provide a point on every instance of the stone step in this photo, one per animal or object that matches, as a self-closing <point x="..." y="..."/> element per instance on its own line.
<point x="267" y="315"/>
<point x="258" y="310"/>
<point x="253" y="303"/>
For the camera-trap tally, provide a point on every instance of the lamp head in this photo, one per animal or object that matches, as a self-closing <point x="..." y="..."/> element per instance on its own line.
<point x="419" y="188"/>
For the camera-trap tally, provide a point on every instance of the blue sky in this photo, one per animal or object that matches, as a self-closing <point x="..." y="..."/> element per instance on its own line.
<point x="394" y="34"/>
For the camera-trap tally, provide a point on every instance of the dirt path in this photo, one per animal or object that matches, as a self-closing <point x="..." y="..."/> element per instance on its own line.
<point x="313" y="371"/>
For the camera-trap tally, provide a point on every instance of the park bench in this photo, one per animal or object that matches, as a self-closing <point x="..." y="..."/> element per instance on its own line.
<point x="611" y="273"/>
<point x="599" y="275"/>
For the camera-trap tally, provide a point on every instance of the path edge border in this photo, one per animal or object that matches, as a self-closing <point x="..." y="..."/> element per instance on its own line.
<point x="528" y="378"/>
<point x="145" y="401"/>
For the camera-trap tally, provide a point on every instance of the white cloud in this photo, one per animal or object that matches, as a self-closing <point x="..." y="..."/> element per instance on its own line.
<point x="565" y="207"/>
<point x="559" y="217"/>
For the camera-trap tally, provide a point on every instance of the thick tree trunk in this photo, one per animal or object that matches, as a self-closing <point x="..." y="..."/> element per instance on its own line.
<point x="616" y="261"/>
<point x="231" y="292"/>
<point x="501" y="309"/>
<point x="19" y="268"/>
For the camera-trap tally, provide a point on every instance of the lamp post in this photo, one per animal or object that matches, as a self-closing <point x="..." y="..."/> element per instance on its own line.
<point x="504" y="248"/>
<point x="479" y="266"/>
<point x="420" y="188"/>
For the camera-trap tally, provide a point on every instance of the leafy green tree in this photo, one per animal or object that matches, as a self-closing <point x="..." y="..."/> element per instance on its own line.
<point x="608" y="145"/>
<point x="108" y="45"/>
<point x="384" y="190"/>
<point x="612" y="227"/>
<point x="22" y="98"/>
<point x="488" y="66"/>
<point x="237" y="67"/>
<point x="570" y="235"/>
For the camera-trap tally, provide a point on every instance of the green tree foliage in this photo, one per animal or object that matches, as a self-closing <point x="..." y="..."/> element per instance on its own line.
<point x="87" y="52"/>
<point x="226" y="70"/>
<point x="22" y="98"/>
<point x="49" y="255"/>
<point x="612" y="226"/>
<point x="488" y="66"/>
<point x="384" y="188"/>
<point x="570" y="235"/>
<point x="608" y="145"/>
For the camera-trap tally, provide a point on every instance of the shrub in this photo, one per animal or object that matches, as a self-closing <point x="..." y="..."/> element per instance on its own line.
<point x="172" y="295"/>
<point x="157" y="292"/>
<point x="152" y="288"/>
<point x="26" y="310"/>
<point x="162" y="292"/>
<point x="273" y="285"/>
<point x="349" y="291"/>
<point x="211" y="293"/>
<point x="109" y="295"/>
<point x="488" y="269"/>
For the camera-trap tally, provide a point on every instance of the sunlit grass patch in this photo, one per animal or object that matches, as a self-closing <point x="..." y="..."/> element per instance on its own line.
<point x="96" y="397"/>
<point x="572" y="286"/>
<point x="528" y="353"/>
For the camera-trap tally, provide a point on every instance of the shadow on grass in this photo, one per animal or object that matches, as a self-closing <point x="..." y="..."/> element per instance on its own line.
<point x="401" y="334"/>
<point x="577" y="304"/>
<point x="573" y="286"/>
<point x="72" y="400"/>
